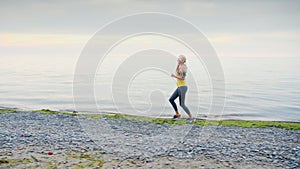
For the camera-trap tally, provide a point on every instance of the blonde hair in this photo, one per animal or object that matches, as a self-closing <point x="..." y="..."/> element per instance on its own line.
<point x="182" y="57"/>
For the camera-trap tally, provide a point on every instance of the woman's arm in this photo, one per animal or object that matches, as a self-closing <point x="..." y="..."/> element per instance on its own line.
<point x="178" y="77"/>
<point x="183" y="73"/>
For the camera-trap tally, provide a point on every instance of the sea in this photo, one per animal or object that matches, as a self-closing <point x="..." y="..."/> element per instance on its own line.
<point x="255" y="88"/>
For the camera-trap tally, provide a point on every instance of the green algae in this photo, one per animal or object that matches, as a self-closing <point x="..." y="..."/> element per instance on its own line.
<point x="47" y="111"/>
<point x="236" y="123"/>
<point x="8" y="111"/>
<point x="202" y="122"/>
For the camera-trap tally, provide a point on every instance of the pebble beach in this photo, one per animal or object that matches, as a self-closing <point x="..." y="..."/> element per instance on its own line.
<point x="38" y="140"/>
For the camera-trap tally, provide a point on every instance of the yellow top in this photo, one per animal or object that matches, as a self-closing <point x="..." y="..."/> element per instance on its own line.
<point x="180" y="82"/>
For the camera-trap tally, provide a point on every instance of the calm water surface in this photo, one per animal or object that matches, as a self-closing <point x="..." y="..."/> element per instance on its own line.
<point x="256" y="88"/>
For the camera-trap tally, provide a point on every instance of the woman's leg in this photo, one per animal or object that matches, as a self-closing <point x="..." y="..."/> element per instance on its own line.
<point x="182" y="91"/>
<point x="172" y="98"/>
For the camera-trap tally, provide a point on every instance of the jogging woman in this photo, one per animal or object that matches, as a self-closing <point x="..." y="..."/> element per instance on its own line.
<point x="181" y="90"/>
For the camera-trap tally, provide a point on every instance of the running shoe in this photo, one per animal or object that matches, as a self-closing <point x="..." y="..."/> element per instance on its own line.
<point x="175" y="117"/>
<point x="190" y="120"/>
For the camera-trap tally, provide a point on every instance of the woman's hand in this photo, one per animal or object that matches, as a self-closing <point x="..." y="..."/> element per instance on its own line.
<point x="177" y="77"/>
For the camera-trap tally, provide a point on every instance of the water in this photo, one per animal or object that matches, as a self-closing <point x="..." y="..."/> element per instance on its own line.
<point x="256" y="88"/>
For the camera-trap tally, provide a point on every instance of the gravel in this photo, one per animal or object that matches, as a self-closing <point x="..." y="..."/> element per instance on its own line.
<point x="36" y="133"/>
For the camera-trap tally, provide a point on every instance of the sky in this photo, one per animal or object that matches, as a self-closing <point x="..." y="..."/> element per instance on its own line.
<point x="258" y="28"/>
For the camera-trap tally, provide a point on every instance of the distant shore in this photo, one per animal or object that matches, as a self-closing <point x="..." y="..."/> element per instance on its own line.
<point x="50" y="139"/>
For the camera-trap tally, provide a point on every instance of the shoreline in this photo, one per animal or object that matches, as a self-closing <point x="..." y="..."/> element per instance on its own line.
<point x="236" y="117"/>
<point x="288" y="125"/>
<point x="80" y="141"/>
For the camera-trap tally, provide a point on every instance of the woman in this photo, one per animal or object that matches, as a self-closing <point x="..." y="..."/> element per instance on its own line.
<point x="181" y="89"/>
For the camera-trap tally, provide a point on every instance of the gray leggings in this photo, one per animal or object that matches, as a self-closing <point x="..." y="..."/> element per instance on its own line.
<point x="180" y="91"/>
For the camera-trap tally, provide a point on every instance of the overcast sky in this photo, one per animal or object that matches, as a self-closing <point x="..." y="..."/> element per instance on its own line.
<point x="262" y="28"/>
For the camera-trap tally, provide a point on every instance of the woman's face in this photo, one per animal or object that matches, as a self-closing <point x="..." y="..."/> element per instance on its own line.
<point x="179" y="60"/>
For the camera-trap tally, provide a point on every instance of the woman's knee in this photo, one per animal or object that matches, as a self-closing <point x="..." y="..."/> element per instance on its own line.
<point x="183" y="106"/>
